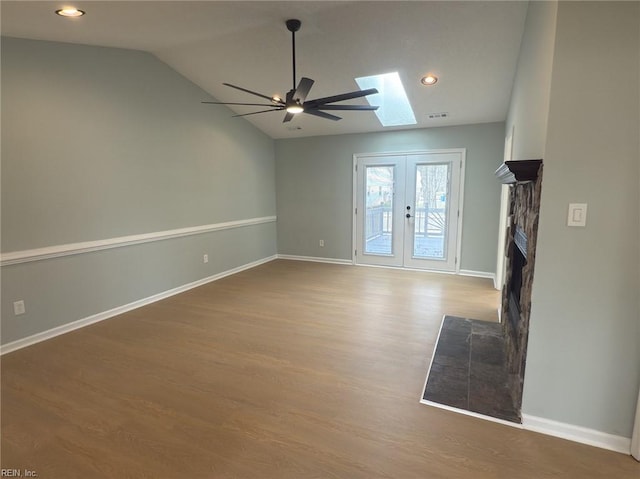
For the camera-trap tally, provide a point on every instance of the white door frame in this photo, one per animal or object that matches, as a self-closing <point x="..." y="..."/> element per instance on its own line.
<point x="357" y="156"/>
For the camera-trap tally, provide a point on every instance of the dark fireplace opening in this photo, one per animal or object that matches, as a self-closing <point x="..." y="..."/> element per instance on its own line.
<point x="518" y="262"/>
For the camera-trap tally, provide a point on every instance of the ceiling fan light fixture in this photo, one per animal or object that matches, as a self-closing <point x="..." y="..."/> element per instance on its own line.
<point x="295" y="101"/>
<point x="429" y="80"/>
<point x="295" y="108"/>
<point x="70" y="12"/>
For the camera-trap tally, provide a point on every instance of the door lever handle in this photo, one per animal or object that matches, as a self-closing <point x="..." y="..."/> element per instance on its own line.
<point x="408" y="215"/>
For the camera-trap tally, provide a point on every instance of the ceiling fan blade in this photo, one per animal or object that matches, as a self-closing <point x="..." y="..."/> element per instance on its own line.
<point x="288" y="117"/>
<point x="256" y="112"/>
<point x="347" y="107"/>
<point x="246" y="104"/>
<point x="342" y="97"/>
<point x="252" y="92"/>
<point x="303" y="89"/>
<point x="322" y="114"/>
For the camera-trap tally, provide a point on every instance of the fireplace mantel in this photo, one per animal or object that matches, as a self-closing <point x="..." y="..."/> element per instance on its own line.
<point x="518" y="171"/>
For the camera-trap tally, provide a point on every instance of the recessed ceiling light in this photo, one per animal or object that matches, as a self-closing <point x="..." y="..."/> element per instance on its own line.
<point x="429" y="80"/>
<point x="70" y="12"/>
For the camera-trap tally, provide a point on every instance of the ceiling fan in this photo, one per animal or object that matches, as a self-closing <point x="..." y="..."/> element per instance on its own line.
<point x="295" y="101"/>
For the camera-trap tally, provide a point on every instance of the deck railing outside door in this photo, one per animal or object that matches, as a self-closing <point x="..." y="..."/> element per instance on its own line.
<point x="428" y="222"/>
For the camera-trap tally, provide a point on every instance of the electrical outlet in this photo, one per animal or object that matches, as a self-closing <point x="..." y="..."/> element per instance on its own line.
<point x="205" y="258"/>
<point x="322" y="243"/>
<point x="18" y="307"/>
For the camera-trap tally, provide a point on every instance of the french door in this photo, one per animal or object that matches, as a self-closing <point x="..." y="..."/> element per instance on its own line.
<point x="407" y="209"/>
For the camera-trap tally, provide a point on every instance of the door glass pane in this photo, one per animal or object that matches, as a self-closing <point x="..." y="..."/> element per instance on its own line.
<point x="430" y="232"/>
<point x="379" y="205"/>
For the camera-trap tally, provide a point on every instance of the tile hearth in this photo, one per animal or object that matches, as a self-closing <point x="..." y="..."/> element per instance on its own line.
<point x="468" y="370"/>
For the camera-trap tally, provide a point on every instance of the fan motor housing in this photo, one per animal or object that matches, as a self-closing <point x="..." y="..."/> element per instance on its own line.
<point x="293" y="25"/>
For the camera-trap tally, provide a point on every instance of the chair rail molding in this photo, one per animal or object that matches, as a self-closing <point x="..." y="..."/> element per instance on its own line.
<point x="69" y="249"/>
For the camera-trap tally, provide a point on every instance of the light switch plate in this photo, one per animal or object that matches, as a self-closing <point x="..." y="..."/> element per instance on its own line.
<point x="18" y="307"/>
<point x="577" y="214"/>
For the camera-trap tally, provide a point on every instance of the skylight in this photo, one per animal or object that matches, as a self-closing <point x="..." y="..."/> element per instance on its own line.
<point x="395" y="109"/>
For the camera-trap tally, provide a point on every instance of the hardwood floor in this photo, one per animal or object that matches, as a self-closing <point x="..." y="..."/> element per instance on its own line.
<point x="288" y="370"/>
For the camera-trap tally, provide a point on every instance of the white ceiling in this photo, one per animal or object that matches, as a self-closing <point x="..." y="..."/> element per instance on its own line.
<point x="471" y="46"/>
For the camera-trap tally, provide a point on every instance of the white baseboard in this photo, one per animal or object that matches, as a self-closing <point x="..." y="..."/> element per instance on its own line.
<point x="577" y="434"/>
<point x="95" y="318"/>
<point x="314" y="259"/>
<point x="478" y="274"/>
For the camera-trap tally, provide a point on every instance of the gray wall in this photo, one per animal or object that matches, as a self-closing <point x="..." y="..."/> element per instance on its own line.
<point x="529" y="106"/>
<point x="100" y="143"/>
<point x="315" y="188"/>
<point x="583" y="364"/>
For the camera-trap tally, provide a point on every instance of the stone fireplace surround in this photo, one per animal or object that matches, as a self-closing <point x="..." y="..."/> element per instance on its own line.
<point x="525" y="180"/>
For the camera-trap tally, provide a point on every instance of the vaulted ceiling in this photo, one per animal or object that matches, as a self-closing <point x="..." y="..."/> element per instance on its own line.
<point x="471" y="46"/>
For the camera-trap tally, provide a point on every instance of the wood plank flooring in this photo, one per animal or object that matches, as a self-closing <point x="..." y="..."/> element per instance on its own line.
<point x="288" y="370"/>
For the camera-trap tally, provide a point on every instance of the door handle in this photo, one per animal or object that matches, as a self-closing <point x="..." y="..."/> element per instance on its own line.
<point x="408" y="215"/>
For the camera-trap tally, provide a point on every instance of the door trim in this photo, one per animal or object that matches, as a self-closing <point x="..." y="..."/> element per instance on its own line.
<point x="354" y="222"/>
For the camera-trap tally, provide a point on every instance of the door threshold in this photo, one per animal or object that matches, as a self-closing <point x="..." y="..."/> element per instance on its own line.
<point x="406" y="268"/>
